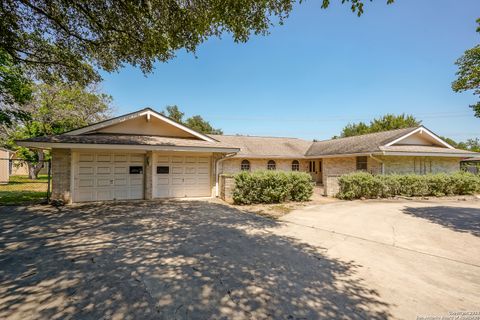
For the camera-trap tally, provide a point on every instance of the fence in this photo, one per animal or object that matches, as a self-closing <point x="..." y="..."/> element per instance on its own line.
<point x="23" y="182"/>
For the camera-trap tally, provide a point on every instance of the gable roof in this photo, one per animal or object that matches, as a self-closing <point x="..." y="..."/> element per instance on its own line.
<point x="365" y="143"/>
<point x="266" y="147"/>
<point x="385" y="142"/>
<point x="148" y="112"/>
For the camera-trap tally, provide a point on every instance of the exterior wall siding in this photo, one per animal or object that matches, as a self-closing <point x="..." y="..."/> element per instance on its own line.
<point x="401" y="165"/>
<point x="232" y="165"/>
<point x="227" y="184"/>
<point x="148" y="178"/>
<point x="333" y="168"/>
<point x="61" y="174"/>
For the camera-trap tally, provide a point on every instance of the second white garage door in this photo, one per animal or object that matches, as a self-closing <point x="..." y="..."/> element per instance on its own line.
<point x="182" y="176"/>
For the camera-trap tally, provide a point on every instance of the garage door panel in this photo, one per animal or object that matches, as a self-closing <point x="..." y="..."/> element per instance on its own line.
<point x="89" y="182"/>
<point x="103" y="195"/>
<point x="104" y="170"/>
<point x="103" y="182"/>
<point x="136" y="158"/>
<point x="203" y="170"/>
<point x="177" y="159"/>
<point x="163" y="159"/>
<point x="177" y="170"/>
<point x="86" y="170"/>
<point x="190" y="170"/>
<point x="104" y="157"/>
<point x="120" y="170"/>
<point x="85" y="195"/>
<point x="136" y="181"/>
<point x="120" y="181"/>
<point x="120" y="158"/>
<point x="177" y="181"/>
<point x="163" y="181"/>
<point x="86" y="157"/>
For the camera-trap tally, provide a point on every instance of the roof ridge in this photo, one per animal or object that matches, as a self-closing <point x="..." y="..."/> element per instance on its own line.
<point x="249" y="136"/>
<point x="369" y="134"/>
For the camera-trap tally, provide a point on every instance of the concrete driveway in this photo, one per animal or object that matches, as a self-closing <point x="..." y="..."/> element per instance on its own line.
<point x="200" y="260"/>
<point x="422" y="258"/>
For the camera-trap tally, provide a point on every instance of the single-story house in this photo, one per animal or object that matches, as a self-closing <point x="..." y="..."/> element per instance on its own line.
<point x="4" y="165"/>
<point x="146" y="155"/>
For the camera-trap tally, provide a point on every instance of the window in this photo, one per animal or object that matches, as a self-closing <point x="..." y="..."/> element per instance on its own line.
<point x="271" y="165"/>
<point x="136" y="169"/>
<point x="245" y="165"/>
<point x="163" y="169"/>
<point x="362" y="163"/>
<point x="295" y="165"/>
<point x="311" y="166"/>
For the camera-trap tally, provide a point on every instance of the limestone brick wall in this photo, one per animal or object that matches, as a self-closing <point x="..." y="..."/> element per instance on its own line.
<point x="61" y="174"/>
<point x="148" y="176"/>
<point x="333" y="168"/>
<point x="233" y="165"/>
<point x="227" y="184"/>
<point x="420" y="165"/>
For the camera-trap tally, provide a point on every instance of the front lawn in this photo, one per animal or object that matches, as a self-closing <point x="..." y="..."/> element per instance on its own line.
<point x="21" y="190"/>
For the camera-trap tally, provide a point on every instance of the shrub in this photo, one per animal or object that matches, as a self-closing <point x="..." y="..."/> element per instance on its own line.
<point x="362" y="184"/>
<point x="271" y="187"/>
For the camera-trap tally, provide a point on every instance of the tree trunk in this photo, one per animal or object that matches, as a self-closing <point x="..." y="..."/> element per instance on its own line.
<point x="34" y="168"/>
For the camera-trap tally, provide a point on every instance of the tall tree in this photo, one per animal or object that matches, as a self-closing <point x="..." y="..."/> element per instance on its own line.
<point x="385" y="123"/>
<point x="62" y="39"/>
<point x="53" y="109"/>
<point x="470" y="144"/>
<point x="195" y="122"/>
<point x="468" y="74"/>
<point x="174" y="113"/>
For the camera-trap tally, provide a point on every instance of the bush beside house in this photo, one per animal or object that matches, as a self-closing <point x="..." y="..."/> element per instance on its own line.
<point x="271" y="187"/>
<point x="365" y="185"/>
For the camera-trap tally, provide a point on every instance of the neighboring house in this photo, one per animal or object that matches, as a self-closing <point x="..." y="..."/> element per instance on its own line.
<point x="19" y="166"/>
<point x="471" y="165"/>
<point x="145" y="155"/>
<point x="4" y="166"/>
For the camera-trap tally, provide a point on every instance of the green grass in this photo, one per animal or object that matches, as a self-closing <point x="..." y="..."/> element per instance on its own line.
<point x="22" y="190"/>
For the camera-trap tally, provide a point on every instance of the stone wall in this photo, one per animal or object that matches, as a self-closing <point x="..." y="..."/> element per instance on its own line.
<point x="148" y="181"/>
<point x="61" y="174"/>
<point x="333" y="168"/>
<point x="420" y="165"/>
<point x="227" y="184"/>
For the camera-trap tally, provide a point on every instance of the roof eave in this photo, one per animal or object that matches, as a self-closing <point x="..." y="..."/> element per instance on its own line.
<point x="428" y="154"/>
<point x="60" y="145"/>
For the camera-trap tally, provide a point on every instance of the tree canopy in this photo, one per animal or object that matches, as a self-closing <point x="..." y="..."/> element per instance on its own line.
<point x="384" y="123"/>
<point x="195" y="122"/>
<point x="65" y="40"/>
<point x="468" y="74"/>
<point x="52" y="109"/>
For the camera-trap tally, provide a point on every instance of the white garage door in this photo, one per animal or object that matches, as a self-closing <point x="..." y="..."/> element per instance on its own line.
<point x="108" y="176"/>
<point x="182" y="176"/>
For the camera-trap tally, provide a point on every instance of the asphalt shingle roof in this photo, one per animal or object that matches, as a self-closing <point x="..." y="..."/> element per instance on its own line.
<point x="129" y="140"/>
<point x="358" y="144"/>
<point x="266" y="147"/>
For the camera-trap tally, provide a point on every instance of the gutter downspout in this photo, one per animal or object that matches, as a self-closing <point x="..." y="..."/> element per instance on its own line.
<point x="217" y="175"/>
<point x="381" y="162"/>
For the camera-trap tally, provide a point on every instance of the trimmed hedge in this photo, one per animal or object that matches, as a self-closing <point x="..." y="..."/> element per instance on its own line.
<point x="365" y="185"/>
<point x="272" y="187"/>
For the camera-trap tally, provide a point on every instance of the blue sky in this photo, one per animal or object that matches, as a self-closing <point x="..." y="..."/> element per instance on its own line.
<point x="321" y="70"/>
